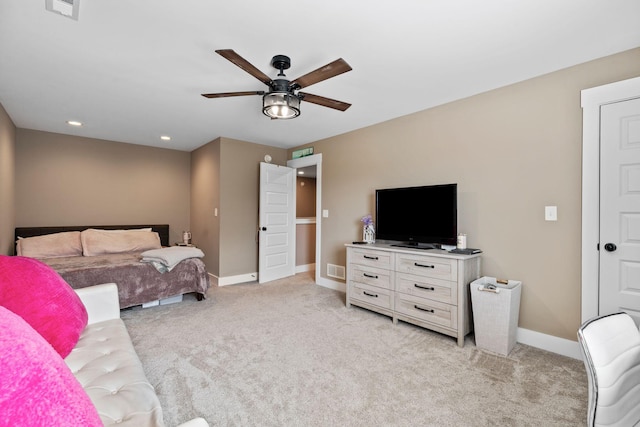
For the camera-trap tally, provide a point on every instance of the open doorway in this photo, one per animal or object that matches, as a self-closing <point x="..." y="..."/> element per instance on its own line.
<point x="305" y="219"/>
<point x="311" y="165"/>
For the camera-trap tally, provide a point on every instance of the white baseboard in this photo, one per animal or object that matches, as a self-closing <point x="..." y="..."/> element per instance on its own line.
<point x="234" y="280"/>
<point x="251" y="277"/>
<point x="332" y="284"/>
<point x="549" y="342"/>
<point x="306" y="267"/>
<point x="213" y="279"/>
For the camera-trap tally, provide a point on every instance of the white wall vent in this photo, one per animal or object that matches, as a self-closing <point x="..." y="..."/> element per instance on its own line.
<point x="68" y="8"/>
<point x="336" y="271"/>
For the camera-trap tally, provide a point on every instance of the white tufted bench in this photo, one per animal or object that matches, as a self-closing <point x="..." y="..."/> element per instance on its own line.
<point x="106" y="364"/>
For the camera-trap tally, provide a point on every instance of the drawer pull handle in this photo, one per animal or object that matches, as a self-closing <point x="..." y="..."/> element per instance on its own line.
<point x="426" y="288"/>
<point x="417" y="264"/>
<point x="370" y="295"/>
<point x="371" y="276"/>
<point x="429" y="310"/>
<point x="375" y="258"/>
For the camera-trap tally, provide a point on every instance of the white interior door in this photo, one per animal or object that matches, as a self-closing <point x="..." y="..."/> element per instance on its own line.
<point x="277" y="228"/>
<point x="620" y="208"/>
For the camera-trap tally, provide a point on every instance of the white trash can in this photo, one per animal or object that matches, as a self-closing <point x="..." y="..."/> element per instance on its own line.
<point x="496" y="307"/>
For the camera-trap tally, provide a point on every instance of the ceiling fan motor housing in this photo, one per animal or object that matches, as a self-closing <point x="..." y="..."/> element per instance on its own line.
<point x="280" y="85"/>
<point x="281" y="62"/>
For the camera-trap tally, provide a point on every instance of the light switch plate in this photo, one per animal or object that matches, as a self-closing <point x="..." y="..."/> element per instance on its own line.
<point x="550" y="213"/>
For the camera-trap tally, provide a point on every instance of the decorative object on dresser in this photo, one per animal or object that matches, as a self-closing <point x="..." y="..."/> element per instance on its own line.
<point x="429" y="290"/>
<point x="368" y="231"/>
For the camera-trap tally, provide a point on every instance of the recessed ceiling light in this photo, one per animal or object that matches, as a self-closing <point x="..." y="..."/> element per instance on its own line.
<point x="74" y="123"/>
<point x="68" y="8"/>
<point x="165" y="138"/>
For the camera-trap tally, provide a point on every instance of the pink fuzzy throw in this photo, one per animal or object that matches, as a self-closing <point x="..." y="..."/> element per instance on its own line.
<point x="38" y="389"/>
<point x="38" y="294"/>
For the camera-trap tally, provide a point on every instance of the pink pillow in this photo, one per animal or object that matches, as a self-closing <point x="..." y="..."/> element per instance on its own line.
<point x="38" y="294"/>
<point x="38" y="389"/>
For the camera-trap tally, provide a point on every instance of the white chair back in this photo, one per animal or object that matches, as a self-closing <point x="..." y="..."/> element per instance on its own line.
<point x="610" y="346"/>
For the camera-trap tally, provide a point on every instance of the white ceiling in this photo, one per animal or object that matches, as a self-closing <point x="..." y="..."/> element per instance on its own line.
<point x="132" y="71"/>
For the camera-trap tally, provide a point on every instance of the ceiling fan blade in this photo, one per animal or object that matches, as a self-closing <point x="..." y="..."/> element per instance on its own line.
<point x="232" y="56"/>
<point x="325" y="102"/>
<point x="333" y="69"/>
<point x="227" y="94"/>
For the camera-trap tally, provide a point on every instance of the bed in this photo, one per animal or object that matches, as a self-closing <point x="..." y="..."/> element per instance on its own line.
<point x="81" y="256"/>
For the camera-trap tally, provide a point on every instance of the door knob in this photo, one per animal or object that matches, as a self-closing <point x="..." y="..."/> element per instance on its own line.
<point x="264" y="228"/>
<point x="610" y="247"/>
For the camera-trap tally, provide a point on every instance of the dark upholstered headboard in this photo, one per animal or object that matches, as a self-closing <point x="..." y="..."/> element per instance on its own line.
<point x="161" y="229"/>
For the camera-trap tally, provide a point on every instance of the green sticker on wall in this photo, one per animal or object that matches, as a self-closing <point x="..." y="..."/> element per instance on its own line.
<point x="302" y="153"/>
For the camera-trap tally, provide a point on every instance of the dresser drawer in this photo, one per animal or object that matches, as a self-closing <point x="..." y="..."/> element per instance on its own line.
<point x="371" y="275"/>
<point x="370" y="294"/>
<point x="425" y="287"/>
<point x="427" y="310"/>
<point x="422" y="265"/>
<point x="374" y="258"/>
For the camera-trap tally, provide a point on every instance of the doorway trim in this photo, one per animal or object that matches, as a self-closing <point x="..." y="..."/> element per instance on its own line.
<point x="302" y="162"/>
<point x="591" y="101"/>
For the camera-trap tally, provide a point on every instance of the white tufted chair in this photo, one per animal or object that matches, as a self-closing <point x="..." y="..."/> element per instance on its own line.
<point x="610" y="347"/>
<point x="107" y="366"/>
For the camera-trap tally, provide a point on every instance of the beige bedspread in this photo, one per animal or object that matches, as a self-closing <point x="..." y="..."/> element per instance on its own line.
<point x="137" y="282"/>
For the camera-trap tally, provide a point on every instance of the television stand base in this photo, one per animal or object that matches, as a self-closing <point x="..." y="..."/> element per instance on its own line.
<point x="425" y="246"/>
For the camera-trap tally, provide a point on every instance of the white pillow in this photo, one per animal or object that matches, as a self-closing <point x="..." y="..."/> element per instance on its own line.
<point x="55" y="245"/>
<point x="100" y="242"/>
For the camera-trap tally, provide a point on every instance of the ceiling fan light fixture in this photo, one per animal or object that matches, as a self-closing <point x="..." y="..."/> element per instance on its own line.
<point x="280" y="105"/>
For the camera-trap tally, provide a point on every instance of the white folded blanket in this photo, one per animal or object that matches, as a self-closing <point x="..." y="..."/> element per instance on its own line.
<point x="167" y="258"/>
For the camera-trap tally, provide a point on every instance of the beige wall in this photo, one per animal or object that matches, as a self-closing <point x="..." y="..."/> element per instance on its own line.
<point x="305" y="244"/>
<point x="7" y="182"/>
<point x="205" y="198"/>
<point x="225" y="174"/>
<point x="512" y="151"/>
<point x="239" y="197"/>
<point x="70" y="180"/>
<point x="305" y="197"/>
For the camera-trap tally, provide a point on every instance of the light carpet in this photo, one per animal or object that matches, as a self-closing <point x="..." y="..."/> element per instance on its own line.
<point x="290" y="353"/>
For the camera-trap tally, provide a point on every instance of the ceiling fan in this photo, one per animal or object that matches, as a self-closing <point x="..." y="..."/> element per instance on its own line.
<point x="282" y="100"/>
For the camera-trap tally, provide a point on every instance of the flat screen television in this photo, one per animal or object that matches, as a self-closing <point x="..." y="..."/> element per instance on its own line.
<point x="422" y="217"/>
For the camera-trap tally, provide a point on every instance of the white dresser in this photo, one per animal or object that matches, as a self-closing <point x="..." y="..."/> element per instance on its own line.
<point x="429" y="288"/>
